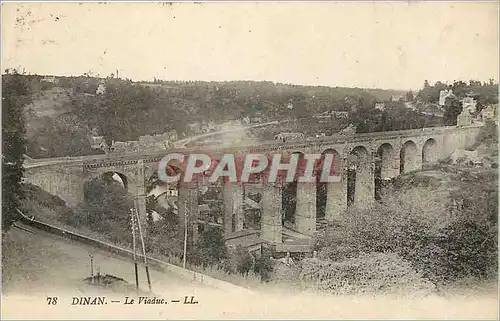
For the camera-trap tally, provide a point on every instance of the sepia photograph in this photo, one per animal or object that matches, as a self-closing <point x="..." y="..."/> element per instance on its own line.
<point x="250" y="160"/>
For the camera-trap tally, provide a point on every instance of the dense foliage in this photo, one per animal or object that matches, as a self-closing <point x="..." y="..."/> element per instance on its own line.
<point x="106" y="210"/>
<point x="55" y="138"/>
<point x="485" y="93"/>
<point x="444" y="240"/>
<point x="210" y="249"/>
<point x="396" y="117"/>
<point x="126" y="109"/>
<point x="366" y="273"/>
<point x="164" y="236"/>
<point x="452" y="108"/>
<point x="16" y="95"/>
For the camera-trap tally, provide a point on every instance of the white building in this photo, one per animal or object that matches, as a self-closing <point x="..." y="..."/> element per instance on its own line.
<point x="289" y="136"/>
<point x="172" y="192"/>
<point x="489" y="113"/>
<point x="380" y="106"/>
<point x="398" y="98"/>
<point x="470" y="104"/>
<point x="52" y="80"/>
<point x="443" y="94"/>
<point x="101" y="89"/>
<point x="340" y="114"/>
<point x="96" y="141"/>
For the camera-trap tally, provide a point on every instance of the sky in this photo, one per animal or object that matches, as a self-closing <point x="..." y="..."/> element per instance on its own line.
<point x="347" y="44"/>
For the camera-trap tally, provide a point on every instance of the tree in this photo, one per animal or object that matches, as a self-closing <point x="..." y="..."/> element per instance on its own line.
<point x="409" y="96"/>
<point x="164" y="235"/>
<point x="211" y="247"/>
<point x="16" y="94"/>
<point x="426" y="84"/>
<point x="452" y="108"/>
<point x="58" y="139"/>
<point x="106" y="209"/>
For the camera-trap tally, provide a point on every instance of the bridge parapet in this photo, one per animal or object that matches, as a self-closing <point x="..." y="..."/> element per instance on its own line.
<point x="268" y="146"/>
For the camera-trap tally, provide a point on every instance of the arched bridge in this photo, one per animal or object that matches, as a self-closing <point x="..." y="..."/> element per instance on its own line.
<point x="397" y="152"/>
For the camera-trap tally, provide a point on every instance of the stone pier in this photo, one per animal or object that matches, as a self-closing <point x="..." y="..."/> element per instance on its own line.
<point x="394" y="164"/>
<point x="305" y="209"/>
<point x="234" y="216"/>
<point x="336" y="198"/>
<point x="271" y="226"/>
<point x="365" y="184"/>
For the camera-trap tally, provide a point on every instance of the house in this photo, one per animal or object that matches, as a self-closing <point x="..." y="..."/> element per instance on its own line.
<point x="209" y="127"/>
<point x="326" y="114"/>
<point x="101" y="89"/>
<point x="159" y="138"/>
<point x="489" y="113"/>
<point x="158" y="142"/>
<point x="398" y="98"/>
<point x="52" y="80"/>
<point x="340" y="114"/>
<point x="470" y="104"/>
<point x="128" y="146"/>
<point x="289" y="136"/>
<point x="204" y="209"/>
<point x="195" y="127"/>
<point x="380" y="106"/>
<point x="96" y="142"/>
<point x="443" y="94"/>
<point x="172" y="192"/>
<point x="431" y="110"/>
<point x="349" y="130"/>
<point x="245" y="120"/>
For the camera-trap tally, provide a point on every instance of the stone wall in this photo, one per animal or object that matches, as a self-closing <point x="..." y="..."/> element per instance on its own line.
<point x="66" y="182"/>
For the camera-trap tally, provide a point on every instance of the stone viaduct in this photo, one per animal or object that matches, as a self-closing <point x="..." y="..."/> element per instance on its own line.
<point x="397" y="152"/>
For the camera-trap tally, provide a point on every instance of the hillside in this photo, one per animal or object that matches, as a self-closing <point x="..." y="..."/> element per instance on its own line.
<point x="66" y="111"/>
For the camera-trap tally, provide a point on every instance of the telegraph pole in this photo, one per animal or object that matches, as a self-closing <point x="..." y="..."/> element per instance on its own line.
<point x="185" y="233"/>
<point x="91" y="267"/>
<point x="134" y="248"/>
<point x="143" y="249"/>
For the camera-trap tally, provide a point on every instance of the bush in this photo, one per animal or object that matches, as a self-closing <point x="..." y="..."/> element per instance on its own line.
<point x="488" y="135"/>
<point x="283" y="273"/>
<point x="240" y="261"/>
<point x="445" y="233"/>
<point x="396" y="224"/>
<point x="43" y="205"/>
<point x="106" y="210"/>
<point x="467" y="249"/>
<point x="210" y="249"/>
<point x="445" y="161"/>
<point x="367" y="273"/>
<point x="264" y="267"/>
